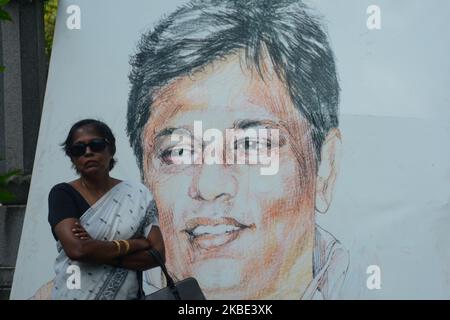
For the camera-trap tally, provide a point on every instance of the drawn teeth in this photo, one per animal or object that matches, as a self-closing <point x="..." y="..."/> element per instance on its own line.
<point x="218" y="229"/>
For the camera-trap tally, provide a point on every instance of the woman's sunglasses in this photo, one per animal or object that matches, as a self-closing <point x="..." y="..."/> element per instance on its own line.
<point x="96" y="145"/>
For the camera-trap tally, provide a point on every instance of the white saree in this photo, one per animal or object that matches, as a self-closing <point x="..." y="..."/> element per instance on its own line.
<point x="126" y="211"/>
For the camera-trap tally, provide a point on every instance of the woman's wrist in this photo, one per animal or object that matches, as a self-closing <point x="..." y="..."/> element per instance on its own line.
<point x="140" y="244"/>
<point x="123" y="247"/>
<point x="147" y="244"/>
<point x="117" y="262"/>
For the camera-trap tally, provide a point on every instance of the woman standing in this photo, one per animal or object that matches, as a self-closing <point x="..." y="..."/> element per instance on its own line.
<point x="103" y="226"/>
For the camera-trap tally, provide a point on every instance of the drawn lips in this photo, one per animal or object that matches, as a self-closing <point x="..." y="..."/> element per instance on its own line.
<point x="209" y="233"/>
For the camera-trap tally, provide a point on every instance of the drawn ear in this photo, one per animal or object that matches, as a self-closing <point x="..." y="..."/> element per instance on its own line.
<point x="328" y="167"/>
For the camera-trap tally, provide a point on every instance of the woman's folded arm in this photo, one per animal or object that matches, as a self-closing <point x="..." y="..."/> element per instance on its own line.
<point x="91" y="250"/>
<point x="142" y="260"/>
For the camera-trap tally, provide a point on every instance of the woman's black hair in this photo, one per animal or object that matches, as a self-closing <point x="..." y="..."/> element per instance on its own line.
<point x="100" y="128"/>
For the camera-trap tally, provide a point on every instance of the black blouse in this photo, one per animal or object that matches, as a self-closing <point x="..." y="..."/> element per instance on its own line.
<point x="64" y="201"/>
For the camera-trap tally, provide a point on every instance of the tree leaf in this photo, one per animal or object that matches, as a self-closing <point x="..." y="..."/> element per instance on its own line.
<point x="6" y="196"/>
<point x="3" y="2"/>
<point x="2" y="68"/>
<point x="4" y="15"/>
<point x="4" y="178"/>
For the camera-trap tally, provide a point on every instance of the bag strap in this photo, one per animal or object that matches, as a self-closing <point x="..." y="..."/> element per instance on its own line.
<point x="141" y="292"/>
<point x="155" y="253"/>
<point x="170" y="283"/>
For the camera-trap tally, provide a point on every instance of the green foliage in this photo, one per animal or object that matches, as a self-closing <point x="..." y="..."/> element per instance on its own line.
<point x="3" y="14"/>
<point x="50" y="9"/>
<point x="5" y="195"/>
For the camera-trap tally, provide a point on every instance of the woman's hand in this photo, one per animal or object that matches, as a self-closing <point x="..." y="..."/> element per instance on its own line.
<point x="79" y="232"/>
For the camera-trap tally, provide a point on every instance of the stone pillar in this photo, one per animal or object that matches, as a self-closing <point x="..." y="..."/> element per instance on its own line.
<point x="11" y="104"/>
<point x="22" y="85"/>
<point x="34" y="76"/>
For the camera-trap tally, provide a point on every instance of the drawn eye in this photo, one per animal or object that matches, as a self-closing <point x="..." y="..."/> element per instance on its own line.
<point x="250" y="145"/>
<point x="177" y="155"/>
<point x="251" y="149"/>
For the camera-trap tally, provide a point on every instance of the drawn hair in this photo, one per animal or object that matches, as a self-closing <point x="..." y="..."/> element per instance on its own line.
<point x="203" y="31"/>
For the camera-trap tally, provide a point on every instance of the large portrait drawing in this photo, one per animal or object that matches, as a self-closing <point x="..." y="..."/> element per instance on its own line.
<point x="289" y="150"/>
<point x="241" y="65"/>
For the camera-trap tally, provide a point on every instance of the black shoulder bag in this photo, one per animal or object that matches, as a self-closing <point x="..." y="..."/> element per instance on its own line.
<point x="187" y="289"/>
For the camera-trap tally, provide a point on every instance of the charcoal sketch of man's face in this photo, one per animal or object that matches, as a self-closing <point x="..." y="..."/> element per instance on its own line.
<point x="229" y="226"/>
<point x="240" y="65"/>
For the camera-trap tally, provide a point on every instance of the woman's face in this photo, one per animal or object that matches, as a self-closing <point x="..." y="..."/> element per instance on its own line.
<point x="90" y="163"/>
<point x="240" y="233"/>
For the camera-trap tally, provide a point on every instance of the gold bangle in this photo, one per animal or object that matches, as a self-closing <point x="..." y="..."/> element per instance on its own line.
<point x="127" y="245"/>
<point x="117" y="243"/>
